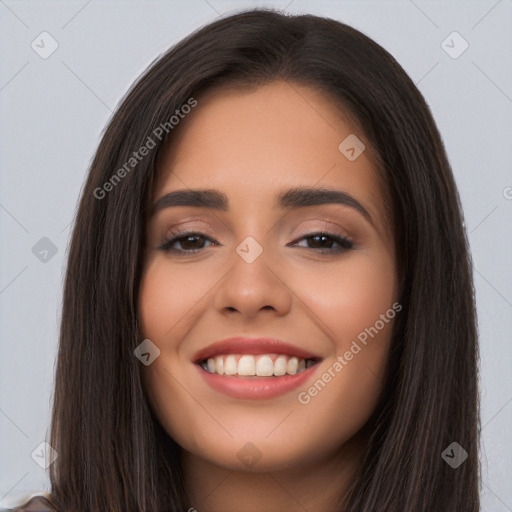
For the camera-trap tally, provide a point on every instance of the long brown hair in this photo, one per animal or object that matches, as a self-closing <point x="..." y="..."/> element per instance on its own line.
<point x="113" y="454"/>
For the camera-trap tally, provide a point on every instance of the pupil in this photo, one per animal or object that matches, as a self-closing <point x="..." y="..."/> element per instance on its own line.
<point x="191" y="239"/>
<point x="321" y="238"/>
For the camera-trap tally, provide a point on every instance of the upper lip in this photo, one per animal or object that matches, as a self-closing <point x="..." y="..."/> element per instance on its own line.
<point x="254" y="346"/>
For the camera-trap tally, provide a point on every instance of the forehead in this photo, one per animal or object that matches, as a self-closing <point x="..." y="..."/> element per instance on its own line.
<point x="251" y="144"/>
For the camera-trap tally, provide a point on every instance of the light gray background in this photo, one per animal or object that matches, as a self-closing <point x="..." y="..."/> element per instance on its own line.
<point x="54" y="110"/>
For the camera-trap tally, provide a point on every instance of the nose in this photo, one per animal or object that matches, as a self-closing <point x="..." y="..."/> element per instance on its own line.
<point x="250" y="289"/>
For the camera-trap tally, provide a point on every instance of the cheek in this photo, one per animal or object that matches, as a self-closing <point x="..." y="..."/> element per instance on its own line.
<point x="166" y="297"/>
<point x="349" y="298"/>
<point x="169" y="301"/>
<point x="354" y="303"/>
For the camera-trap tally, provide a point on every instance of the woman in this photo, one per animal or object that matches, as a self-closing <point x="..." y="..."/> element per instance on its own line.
<point x="268" y="302"/>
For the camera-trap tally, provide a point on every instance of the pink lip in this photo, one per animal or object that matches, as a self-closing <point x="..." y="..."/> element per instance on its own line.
<point x="255" y="388"/>
<point x="252" y="346"/>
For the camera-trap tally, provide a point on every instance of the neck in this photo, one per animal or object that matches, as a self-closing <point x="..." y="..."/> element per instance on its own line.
<point x="320" y="485"/>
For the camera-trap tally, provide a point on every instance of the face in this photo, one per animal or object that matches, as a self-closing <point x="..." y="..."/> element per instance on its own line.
<point x="272" y="310"/>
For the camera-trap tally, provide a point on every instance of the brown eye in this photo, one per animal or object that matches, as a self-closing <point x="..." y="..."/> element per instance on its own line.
<point x="191" y="242"/>
<point x="327" y="242"/>
<point x="186" y="242"/>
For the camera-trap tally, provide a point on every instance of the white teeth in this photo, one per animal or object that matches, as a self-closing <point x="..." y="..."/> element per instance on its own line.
<point x="292" y="365"/>
<point x="246" y="366"/>
<point x="265" y="365"/>
<point x="280" y="366"/>
<point x="230" y="365"/>
<point x="219" y="365"/>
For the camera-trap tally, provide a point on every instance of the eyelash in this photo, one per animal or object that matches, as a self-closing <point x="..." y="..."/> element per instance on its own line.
<point x="344" y="243"/>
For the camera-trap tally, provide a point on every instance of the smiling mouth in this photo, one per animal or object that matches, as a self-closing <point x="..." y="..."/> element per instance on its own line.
<point x="263" y="365"/>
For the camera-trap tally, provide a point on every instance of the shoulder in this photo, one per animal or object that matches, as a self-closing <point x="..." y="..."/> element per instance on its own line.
<point x="29" y="502"/>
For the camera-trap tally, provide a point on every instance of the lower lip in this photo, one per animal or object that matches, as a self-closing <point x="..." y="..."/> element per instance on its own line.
<point x="256" y="388"/>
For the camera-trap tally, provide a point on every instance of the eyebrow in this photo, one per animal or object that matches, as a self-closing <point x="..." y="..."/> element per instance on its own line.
<point x="290" y="199"/>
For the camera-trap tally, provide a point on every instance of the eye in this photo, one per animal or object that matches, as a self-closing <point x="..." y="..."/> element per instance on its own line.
<point x="190" y="242"/>
<point x="327" y="242"/>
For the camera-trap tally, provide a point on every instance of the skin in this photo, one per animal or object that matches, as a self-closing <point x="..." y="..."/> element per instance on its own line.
<point x="251" y="145"/>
